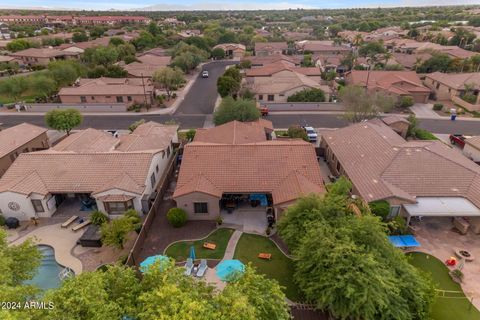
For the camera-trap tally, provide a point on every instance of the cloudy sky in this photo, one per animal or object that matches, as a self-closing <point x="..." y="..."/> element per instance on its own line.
<point x="216" y="5"/>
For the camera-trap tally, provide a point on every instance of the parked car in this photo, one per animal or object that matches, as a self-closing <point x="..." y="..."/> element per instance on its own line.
<point x="458" y="139"/>
<point x="205" y="74"/>
<point x="311" y="133"/>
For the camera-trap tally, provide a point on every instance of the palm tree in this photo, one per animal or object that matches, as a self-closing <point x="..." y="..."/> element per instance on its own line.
<point x="418" y="62"/>
<point x="357" y="40"/>
<point x="387" y="56"/>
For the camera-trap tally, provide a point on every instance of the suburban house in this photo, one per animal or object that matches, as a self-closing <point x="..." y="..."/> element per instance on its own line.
<point x="269" y="48"/>
<point x="91" y="166"/>
<point x="19" y="139"/>
<point x="395" y="83"/>
<point x="42" y="56"/>
<point x="108" y="91"/>
<point x="232" y="50"/>
<point x="452" y="86"/>
<point x="472" y="148"/>
<point x="417" y="178"/>
<point x="236" y="162"/>
<point x="261" y="61"/>
<point x="325" y="47"/>
<point x="410" y="61"/>
<point x="276" y="82"/>
<point x="146" y="65"/>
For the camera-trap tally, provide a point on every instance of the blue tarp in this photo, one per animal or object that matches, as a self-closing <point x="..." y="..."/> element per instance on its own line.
<point x="260" y="197"/>
<point x="404" y="241"/>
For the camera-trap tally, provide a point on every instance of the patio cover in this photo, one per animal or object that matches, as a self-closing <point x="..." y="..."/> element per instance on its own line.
<point x="442" y="207"/>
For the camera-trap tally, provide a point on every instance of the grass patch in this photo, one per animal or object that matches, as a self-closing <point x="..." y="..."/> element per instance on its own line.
<point x="180" y="251"/>
<point x="280" y="267"/>
<point x="422" y="134"/>
<point x="444" y="308"/>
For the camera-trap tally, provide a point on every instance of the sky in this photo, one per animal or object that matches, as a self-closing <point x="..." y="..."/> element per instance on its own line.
<point x="166" y="5"/>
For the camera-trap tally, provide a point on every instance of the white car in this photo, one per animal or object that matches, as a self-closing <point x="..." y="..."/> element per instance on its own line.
<point x="311" y="133"/>
<point x="205" y="74"/>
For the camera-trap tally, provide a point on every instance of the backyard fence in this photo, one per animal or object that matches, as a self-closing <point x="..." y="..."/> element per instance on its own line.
<point x="133" y="256"/>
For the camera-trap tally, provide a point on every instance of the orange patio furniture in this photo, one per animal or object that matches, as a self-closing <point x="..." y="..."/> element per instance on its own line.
<point x="209" y="245"/>
<point x="266" y="256"/>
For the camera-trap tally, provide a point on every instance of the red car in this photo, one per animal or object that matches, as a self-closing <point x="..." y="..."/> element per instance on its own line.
<point x="264" y="110"/>
<point x="458" y="139"/>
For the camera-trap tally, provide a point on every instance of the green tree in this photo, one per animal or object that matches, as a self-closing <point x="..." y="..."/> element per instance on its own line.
<point x="105" y="56"/>
<point x="144" y="41"/>
<point x="308" y="95"/>
<point x="241" y="110"/>
<point x="169" y="79"/>
<point x="14" y="87"/>
<point x="218" y="53"/>
<point x="43" y="85"/>
<point x="20" y="44"/>
<point x="297" y="132"/>
<point x="79" y="37"/>
<point x="63" y="119"/>
<point x="361" y="105"/>
<point x="438" y="62"/>
<point x="116" y="41"/>
<point x="227" y="86"/>
<point x="65" y="72"/>
<point x="115" y="232"/>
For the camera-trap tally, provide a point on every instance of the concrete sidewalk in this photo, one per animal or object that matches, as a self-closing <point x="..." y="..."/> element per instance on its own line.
<point x="232" y="244"/>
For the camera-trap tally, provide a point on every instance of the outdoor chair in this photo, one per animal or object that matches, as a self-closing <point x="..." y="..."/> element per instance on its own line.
<point x="69" y="221"/>
<point x="202" y="268"/>
<point x="208" y="245"/>
<point x="266" y="256"/>
<point x="81" y="225"/>
<point x="188" y="267"/>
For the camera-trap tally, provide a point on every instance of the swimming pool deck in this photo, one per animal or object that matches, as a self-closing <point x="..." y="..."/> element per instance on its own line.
<point x="62" y="240"/>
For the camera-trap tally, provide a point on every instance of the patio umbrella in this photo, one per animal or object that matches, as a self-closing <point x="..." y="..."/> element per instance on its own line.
<point x="192" y="253"/>
<point x="229" y="269"/>
<point x="163" y="260"/>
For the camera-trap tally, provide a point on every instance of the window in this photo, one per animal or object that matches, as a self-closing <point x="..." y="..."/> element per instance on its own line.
<point x="118" y="207"/>
<point x="152" y="180"/>
<point x="83" y="99"/>
<point x="168" y="152"/>
<point x="200" y="207"/>
<point x="260" y="97"/>
<point x="37" y="205"/>
<point x="156" y="169"/>
<point x="338" y="166"/>
<point x="119" y="99"/>
<point x="394" y="211"/>
<point x="93" y="98"/>
<point x="438" y="85"/>
<point x="271" y="97"/>
<point x="129" y="98"/>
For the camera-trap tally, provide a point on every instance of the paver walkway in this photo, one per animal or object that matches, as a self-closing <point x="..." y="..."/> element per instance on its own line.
<point x="232" y="244"/>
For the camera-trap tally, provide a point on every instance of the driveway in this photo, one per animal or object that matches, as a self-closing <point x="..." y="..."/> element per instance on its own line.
<point x="201" y="97"/>
<point x="424" y="110"/>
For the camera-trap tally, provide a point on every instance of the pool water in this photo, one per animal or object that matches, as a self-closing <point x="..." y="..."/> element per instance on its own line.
<point x="47" y="273"/>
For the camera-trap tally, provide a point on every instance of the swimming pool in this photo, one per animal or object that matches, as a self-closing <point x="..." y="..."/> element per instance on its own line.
<point x="47" y="273"/>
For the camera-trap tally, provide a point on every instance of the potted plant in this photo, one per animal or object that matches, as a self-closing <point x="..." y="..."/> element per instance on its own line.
<point x="219" y="220"/>
<point x="457" y="275"/>
<point x="268" y="231"/>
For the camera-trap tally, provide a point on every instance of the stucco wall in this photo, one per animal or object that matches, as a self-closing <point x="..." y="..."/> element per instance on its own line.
<point x="26" y="210"/>
<point x="186" y="202"/>
<point x="91" y="99"/>
<point x="471" y="152"/>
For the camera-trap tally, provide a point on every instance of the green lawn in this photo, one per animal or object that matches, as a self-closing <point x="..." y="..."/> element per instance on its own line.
<point x="180" y="251"/>
<point x="444" y="308"/>
<point x="280" y="267"/>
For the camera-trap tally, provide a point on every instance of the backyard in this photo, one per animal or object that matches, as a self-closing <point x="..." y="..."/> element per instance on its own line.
<point x="180" y="250"/>
<point x="279" y="267"/>
<point x="453" y="305"/>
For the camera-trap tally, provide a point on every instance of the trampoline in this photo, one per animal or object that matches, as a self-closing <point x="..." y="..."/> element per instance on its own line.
<point x="407" y="241"/>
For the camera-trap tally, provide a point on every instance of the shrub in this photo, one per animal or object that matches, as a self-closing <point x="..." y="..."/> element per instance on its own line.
<point x="137" y="107"/>
<point x="98" y="218"/>
<point x="135" y="218"/>
<point x="177" y="217"/>
<point x="457" y="274"/>
<point x="2" y="220"/>
<point x="406" y="101"/>
<point x="308" y="95"/>
<point x="190" y="134"/>
<point x="134" y="125"/>
<point x="437" y="106"/>
<point x="297" y="132"/>
<point x="470" y="98"/>
<point x="398" y="226"/>
<point x="422" y="134"/>
<point x="380" y="208"/>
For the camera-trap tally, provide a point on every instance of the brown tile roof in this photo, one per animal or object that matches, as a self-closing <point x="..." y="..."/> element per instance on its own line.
<point x="286" y="169"/>
<point x="270" y="46"/>
<point x="270" y="69"/>
<point x="231" y="46"/>
<point x="42" y="53"/>
<point x="87" y="141"/>
<point x="148" y="136"/>
<point x="381" y="164"/>
<point x="17" y="136"/>
<point x="59" y="172"/>
<point x="456" y="80"/>
<point x="474" y="142"/>
<point x="106" y="86"/>
<point x="409" y="60"/>
<point x="274" y="58"/>
<point x="154" y="60"/>
<point x="234" y="132"/>
<point x="319" y="46"/>
<point x="115" y="198"/>
<point x="139" y="69"/>
<point x="398" y="82"/>
<point x="394" y="119"/>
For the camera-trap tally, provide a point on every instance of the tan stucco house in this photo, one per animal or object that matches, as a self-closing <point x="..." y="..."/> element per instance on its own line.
<point x="237" y="161"/>
<point x="116" y="174"/>
<point x="452" y="86"/>
<point x="21" y="138"/>
<point x="232" y="50"/>
<point x="42" y="56"/>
